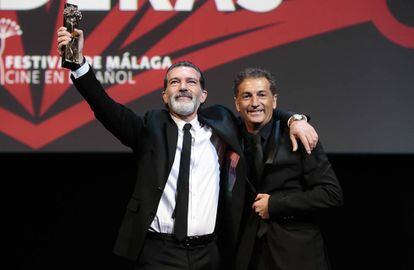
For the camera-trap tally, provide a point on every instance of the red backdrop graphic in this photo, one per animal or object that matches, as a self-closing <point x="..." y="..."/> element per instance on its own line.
<point x="130" y="51"/>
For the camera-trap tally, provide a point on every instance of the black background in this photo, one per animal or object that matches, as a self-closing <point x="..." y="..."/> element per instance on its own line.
<point x="63" y="211"/>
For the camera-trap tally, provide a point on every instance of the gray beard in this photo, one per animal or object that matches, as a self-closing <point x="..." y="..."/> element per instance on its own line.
<point x="184" y="108"/>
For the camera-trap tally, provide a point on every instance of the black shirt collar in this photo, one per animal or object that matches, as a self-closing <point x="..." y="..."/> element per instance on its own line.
<point x="265" y="132"/>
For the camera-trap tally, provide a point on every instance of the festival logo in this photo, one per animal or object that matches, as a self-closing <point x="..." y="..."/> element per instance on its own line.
<point x="8" y="28"/>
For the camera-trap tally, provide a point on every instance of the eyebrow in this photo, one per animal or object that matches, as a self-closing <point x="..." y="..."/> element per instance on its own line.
<point x="186" y="78"/>
<point x="257" y="92"/>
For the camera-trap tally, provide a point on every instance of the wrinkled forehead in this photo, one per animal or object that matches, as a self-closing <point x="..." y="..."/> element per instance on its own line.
<point x="254" y="84"/>
<point x="183" y="72"/>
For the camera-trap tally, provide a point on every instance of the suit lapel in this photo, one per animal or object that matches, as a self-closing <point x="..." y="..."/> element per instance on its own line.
<point x="171" y="132"/>
<point x="272" y="147"/>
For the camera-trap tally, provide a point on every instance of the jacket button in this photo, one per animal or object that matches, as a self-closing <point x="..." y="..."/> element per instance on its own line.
<point x="159" y="188"/>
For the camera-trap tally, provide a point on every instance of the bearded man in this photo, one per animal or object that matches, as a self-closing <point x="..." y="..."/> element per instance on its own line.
<point x="187" y="203"/>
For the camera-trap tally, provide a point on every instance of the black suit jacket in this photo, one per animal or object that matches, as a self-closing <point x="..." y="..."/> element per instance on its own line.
<point x="301" y="187"/>
<point x="153" y="139"/>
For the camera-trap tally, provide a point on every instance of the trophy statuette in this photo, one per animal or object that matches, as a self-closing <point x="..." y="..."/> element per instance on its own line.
<point x="71" y="18"/>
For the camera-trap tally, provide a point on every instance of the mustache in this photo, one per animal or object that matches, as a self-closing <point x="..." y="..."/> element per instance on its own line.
<point x="183" y="94"/>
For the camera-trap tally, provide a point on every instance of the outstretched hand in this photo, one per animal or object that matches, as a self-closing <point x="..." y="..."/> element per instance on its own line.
<point x="306" y="134"/>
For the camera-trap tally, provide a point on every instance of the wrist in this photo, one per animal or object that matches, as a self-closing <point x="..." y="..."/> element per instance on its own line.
<point x="82" y="61"/>
<point x="296" y="117"/>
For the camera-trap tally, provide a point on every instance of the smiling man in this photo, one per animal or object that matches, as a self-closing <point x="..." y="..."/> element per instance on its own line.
<point x="287" y="189"/>
<point x="184" y="95"/>
<point x="190" y="186"/>
<point x="256" y="100"/>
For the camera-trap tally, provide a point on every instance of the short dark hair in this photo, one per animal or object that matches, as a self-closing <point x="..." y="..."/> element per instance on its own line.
<point x="253" y="72"/>
<point x="185" y="64"/>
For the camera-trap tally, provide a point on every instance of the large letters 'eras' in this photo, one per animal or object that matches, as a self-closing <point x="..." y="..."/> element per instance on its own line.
<point x="159" y="5"/>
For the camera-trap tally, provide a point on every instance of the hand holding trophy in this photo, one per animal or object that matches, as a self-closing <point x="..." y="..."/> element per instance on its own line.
<point x="71" y="40"/>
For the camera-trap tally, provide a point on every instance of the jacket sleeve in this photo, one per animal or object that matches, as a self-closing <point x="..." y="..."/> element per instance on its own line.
<point x="119" y="120"/>
<point x="284" y="116"/>
<point x="321" y="188"/>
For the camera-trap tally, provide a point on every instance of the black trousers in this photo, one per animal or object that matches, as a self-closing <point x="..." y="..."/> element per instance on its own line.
<point x="160" y="254"/>
<point x="261" y="258"/>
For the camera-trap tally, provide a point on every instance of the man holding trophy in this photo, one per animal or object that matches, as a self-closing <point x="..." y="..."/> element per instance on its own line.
<point x="186" y="207"/>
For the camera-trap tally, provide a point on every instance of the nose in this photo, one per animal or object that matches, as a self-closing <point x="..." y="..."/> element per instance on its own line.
<point x="183" y="86"/>
<point x="254" y="101"/>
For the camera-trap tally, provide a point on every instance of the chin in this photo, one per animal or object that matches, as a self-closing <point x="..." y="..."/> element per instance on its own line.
<point x="255" y="120"/>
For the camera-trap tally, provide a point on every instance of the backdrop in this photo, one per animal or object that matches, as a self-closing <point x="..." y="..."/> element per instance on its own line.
<point x="347" y="63"/>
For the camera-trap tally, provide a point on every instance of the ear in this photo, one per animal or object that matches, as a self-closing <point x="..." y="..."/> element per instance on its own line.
<point x="236" y="104"/>
<point x="204" y="94"/>
<point x="274" y="101"/>
<point x="164" y="96"/>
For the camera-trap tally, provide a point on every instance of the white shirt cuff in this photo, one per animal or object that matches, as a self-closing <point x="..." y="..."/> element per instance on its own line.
<point x="81" y="71"/>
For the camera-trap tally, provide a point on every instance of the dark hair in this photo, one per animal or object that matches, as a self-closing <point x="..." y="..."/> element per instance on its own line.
<point x="253" y="72"/>
<point x="185" y="64"/>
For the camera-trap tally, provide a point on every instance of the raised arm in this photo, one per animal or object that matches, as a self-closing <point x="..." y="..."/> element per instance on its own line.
<point x="119" y="120"/>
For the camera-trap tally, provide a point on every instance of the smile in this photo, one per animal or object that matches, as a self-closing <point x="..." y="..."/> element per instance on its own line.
<point x="184" y="97"/>
<point x="256" y="112"/>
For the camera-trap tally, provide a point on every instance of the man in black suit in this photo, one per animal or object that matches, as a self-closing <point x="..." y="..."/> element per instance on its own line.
<point x="288" y="189"/>
<point x="188" y="198"/>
